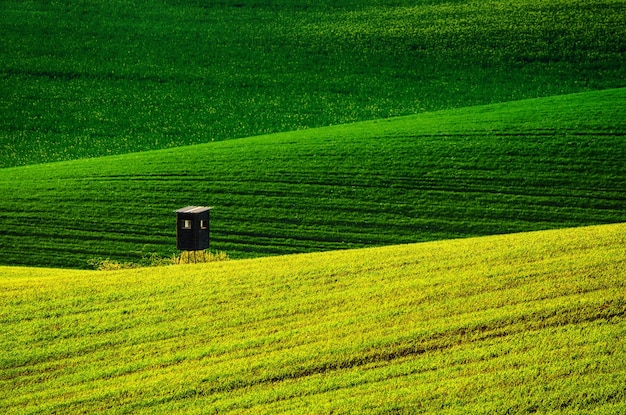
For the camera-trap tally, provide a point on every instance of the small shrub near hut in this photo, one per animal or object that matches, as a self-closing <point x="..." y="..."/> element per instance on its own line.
<point x="192" y="257"/>
<point x="108" y="264"/>
<point x="154" y="260"/>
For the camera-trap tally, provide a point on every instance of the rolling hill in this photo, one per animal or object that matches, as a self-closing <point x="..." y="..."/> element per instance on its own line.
<point x="291" y="118"/>
<point x="534" y="164"/>
<point x="93" y="78"/>
<point x="520" y="323"/>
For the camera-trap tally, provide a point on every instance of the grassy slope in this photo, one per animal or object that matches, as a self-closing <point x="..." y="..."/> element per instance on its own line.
<point x="527" y="165"/>
<point x="517" y="323"/>
<point x="92" y="78"/>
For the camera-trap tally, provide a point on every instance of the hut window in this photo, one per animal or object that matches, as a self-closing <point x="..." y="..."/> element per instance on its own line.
<point x="203" y="224"/>
<point x="186" y="224"/>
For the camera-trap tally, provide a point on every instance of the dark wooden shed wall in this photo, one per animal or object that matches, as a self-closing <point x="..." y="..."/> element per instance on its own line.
<point x="193" y="237"/>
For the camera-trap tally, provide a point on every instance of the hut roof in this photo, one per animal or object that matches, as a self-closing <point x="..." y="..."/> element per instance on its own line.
<point x="194" y="209"/>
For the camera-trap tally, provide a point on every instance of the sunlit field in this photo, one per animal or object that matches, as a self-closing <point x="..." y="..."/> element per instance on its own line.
<point x="419" y="206"/>
<point x="503" y="324"/>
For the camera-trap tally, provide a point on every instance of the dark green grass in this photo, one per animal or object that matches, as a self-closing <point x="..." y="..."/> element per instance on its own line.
<point x="534" y="164"/>
<point x="91" y="78"/>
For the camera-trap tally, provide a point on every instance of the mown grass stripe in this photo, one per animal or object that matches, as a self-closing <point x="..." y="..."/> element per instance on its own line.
<point x="373" y="183"/>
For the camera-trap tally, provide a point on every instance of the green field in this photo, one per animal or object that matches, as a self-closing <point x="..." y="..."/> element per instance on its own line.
<point x="527" y="165"/>
<point x="521" y="323"/>
<point x="91" y="78"/>
<point x="517" y="124"/>
<point x="425" y="201"/>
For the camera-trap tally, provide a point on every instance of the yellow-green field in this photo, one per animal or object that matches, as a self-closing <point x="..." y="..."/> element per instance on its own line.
<point x="520" y="323"/>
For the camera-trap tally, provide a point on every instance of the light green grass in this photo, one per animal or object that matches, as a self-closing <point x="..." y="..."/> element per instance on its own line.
<point x="520" y="323"/>
<point x="527" y="165"/>
<point x="93" y="78"/>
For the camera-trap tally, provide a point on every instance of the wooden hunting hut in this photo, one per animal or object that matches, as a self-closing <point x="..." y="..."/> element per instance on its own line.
<point x="192" y="228"/>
